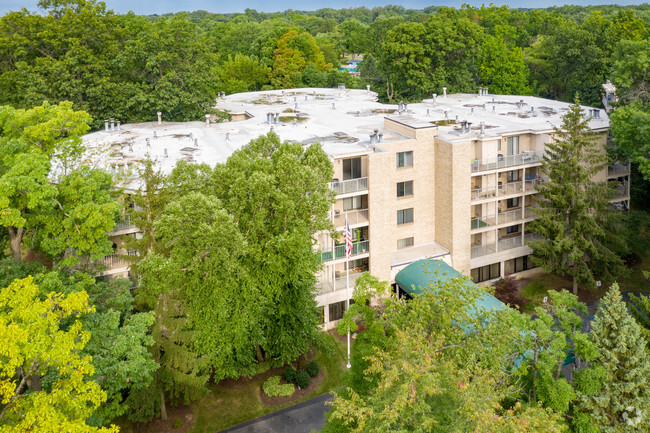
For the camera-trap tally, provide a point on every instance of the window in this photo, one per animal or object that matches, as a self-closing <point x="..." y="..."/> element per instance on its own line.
<point x="513" y="176"/>
<point x="351" y="168"/>
<point x="405" y="159"/>
<point x="513" y="145"/>
<point x="405" y="189"/>
<point x="320" y="313"/>
<point x="404" y="216"/>
<point x="512" y="229"/>
<point x="485" y="273"/>
<point x="405" y="243"/>
<point x="336" y="310"/>
<point x="513" y="202"/>
<point x="520" y="264"/>
<point x="352" y="203"/>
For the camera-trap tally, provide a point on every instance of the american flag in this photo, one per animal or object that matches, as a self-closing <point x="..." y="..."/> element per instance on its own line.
<point x="347" y="235"/>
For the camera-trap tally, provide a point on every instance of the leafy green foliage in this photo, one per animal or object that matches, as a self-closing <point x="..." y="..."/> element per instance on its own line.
<point x="439" y="367"/>
<point x="36" y="341"/>
<point x="303" y="379"/>
<point x="289" y="374"/>
<point x="272" y="387"/>
<point x="312" y="368"/>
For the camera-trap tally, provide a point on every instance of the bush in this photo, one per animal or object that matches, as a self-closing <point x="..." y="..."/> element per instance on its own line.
<point x="178" y="423"/>
<point x="272" y="388"/>
<point x="290" y="375"/>
<point x="312" y="368"/>
<point x="302" y="379"/>
<point x="506" y="290"/>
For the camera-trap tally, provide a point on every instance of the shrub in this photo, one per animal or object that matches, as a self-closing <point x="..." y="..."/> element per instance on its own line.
<point x="302" y="379"/>
<point x="290" y="375"/>
<point x="178" y="423"/>
<point x="312" y="368"/>
<point x="507" y="290"/>
<point x="272" y="387"/>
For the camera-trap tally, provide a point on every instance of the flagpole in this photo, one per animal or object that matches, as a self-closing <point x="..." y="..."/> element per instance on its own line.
<point x="347" y="285"/>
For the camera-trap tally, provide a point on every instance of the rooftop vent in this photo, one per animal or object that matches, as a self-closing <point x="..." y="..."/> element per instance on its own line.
<point x="340" y="135"/>
<point x="159" y="117"/>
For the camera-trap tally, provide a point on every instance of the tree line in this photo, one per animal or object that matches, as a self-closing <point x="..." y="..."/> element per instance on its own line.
<point x="129" y="67"/>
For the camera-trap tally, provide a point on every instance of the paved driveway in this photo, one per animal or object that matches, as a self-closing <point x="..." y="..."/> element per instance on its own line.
<point x="300" y="418"/>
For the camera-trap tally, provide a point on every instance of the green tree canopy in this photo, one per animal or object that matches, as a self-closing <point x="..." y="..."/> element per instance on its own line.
<point x="39" y="337"/>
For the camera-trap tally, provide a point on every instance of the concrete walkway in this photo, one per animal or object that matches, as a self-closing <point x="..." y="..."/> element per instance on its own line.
<point x="300" y="418"/>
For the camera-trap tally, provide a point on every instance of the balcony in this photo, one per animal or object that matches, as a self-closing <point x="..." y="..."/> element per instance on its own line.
<point x="502" y="218"/>
<point x="528" y="157"/>
<point x="124" y="224"/>
<point x="618" y="170"/>
<point x="118" y="260"/>
<point x="620" y="191"/>
<point x="339" y="283"/>
<point x="349" y="186"/>
<point x="355" y="217"/>
<point x="515" y="215"/>
<point x="505" y="189"/>
<point x="503" y="245"/>
<point x="358" y="248"/>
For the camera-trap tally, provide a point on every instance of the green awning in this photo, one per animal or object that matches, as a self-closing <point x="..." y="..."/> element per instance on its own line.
<point x="429" y="274"/>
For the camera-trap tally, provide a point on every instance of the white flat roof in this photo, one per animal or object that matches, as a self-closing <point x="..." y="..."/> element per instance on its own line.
<point x="341" y="120"/>
<point x="428" y="250"/>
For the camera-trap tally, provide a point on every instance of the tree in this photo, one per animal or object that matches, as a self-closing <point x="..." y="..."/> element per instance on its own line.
<point x="502" y="65"/>
<point x="294" y="51"/>
<point x="200" y="264"/>
<point x="621" y="401"/>
<point x="279" y="196"/>
<point x="440" y="367"/>
<point x="572" y="205"/>
<point x="45" y="337"/>
<point x="69" y="218"/>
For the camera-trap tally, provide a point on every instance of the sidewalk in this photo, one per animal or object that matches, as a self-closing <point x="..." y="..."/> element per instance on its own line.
<point x="300" y="418"/>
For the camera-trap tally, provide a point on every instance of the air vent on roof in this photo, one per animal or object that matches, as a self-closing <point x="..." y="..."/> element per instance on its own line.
<point x="340" y="135"/>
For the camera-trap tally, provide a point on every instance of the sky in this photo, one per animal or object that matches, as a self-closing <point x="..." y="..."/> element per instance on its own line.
<point x="149" y="7"/>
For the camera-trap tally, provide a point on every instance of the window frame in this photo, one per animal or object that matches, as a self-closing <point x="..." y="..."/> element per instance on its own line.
<point x="404" y="189"/>
<point x="404" y="159"/>
<point x="404" y="213"/>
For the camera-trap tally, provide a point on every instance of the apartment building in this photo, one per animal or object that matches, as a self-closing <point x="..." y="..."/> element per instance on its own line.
<point x="453" y="177"/>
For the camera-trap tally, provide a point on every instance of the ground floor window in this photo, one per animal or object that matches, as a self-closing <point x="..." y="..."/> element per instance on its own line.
<point x="485" y="273"/>
<point x="336" y="310"/>
<point x="519" y="264"/>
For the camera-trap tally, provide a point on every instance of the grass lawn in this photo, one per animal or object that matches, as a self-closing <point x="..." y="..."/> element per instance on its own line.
<point x="234" y="402"/>
<point x="537" y="287"/>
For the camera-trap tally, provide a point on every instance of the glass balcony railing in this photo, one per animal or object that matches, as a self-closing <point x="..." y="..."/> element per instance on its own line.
<point x="527" y="157"/>
<point x="349" y="186"/>
<point x="503" y="245"/>
<point x="358" y="248"/>
<point x="355" y="217"/>
<point x="618" y="169"/>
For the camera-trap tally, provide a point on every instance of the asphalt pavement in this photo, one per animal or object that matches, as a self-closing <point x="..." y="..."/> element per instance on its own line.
<point x="300" y="418"/>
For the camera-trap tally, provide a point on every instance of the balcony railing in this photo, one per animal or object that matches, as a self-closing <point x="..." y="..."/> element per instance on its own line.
<point x="503" y="245"/>
<point x="358" y="248"/>
<point x="502" y="218"/>
<point x="619" y="191"/>
<point x="118" y="260"/>
<point x="359" y="216"/>
<point x="527" y="157"/>
<point x="339" y="283"/>
<point x="348" y="186"/>
<point x="515" y="215"/>
<point x="618" y="169"/>
<point x="124" y="223"/>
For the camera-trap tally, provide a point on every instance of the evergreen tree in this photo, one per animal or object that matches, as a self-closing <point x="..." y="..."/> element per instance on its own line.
<point x="572" y="205"/>
<point x="621" y="402"/>
<point x="183" y="373"/>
